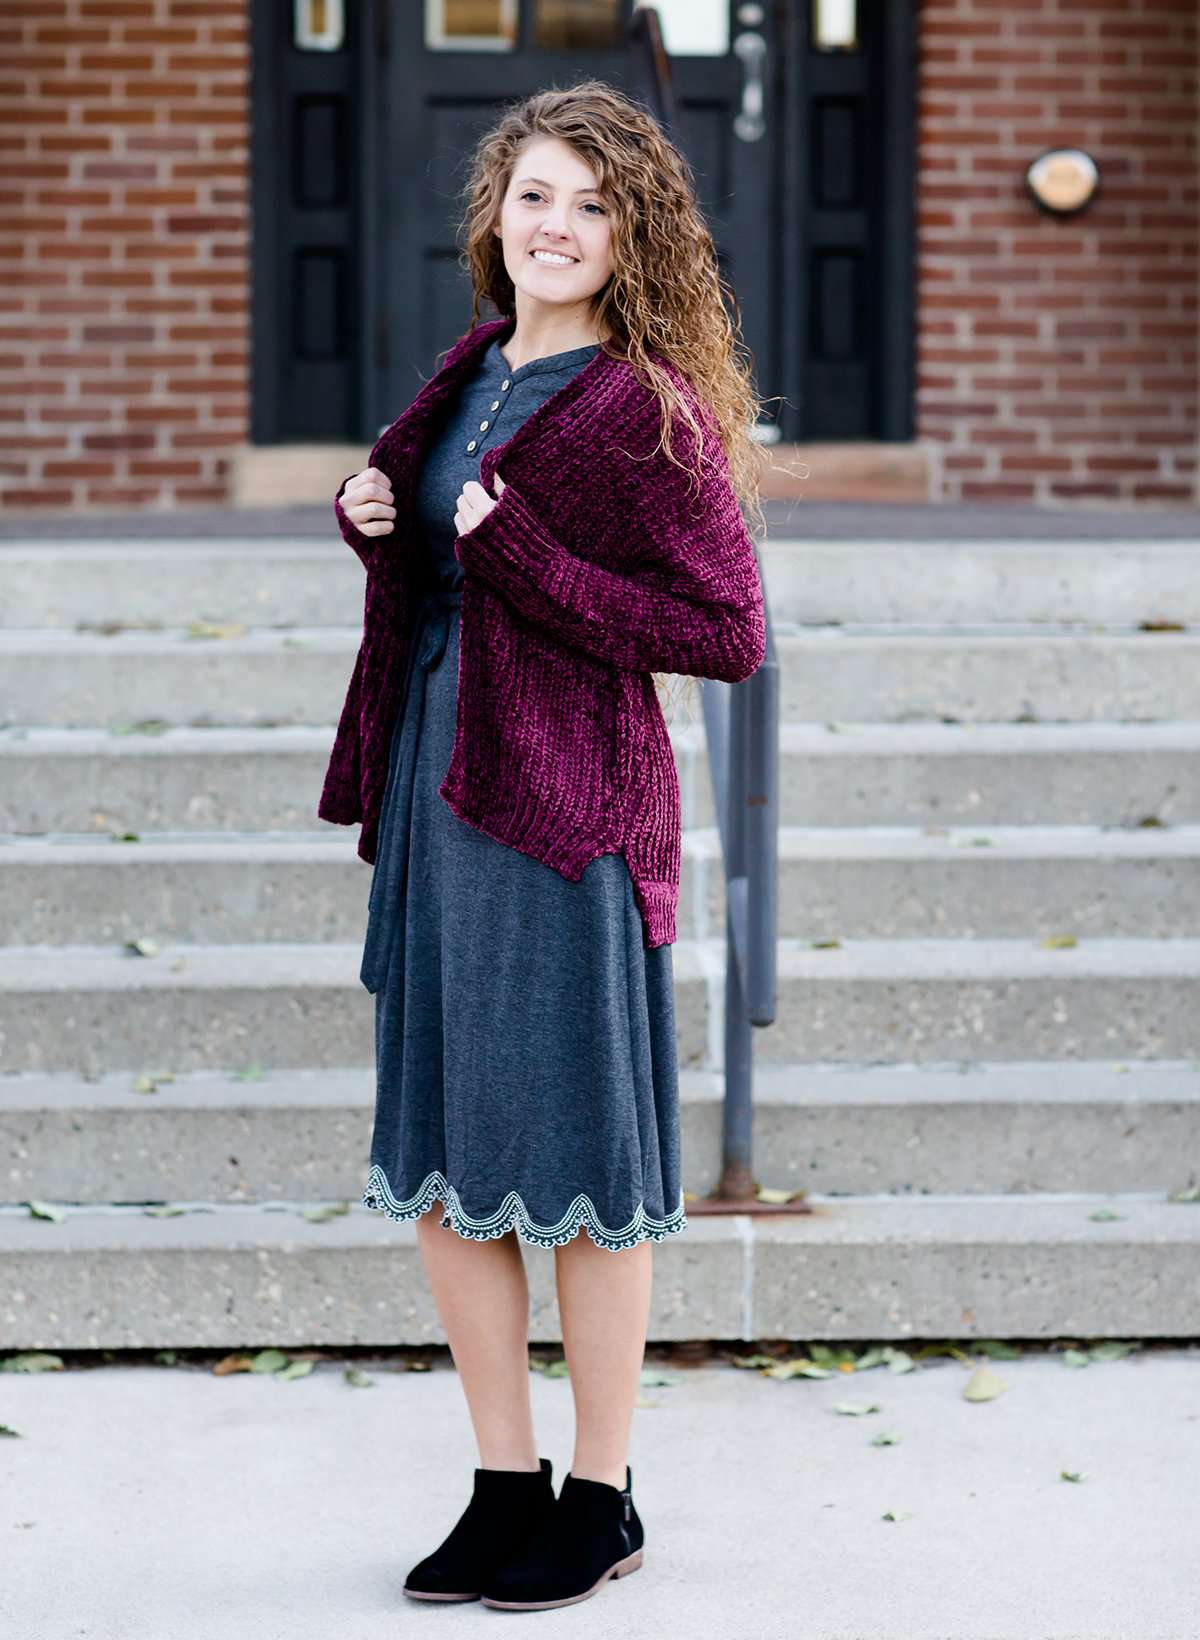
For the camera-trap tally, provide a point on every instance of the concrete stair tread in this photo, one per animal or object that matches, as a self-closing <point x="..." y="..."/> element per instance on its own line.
<point x="974" y="1128"/>
<point x="796" y="842"/>
<point x="269" y="964"/>
<point x="1046" y="1220"/>
<point x="857" y="1267"/>
<point x="1116" y="1083"/>
<point x="846" y="738"/>
<point x="810" y="575"/>
<point x="144" y="639"/>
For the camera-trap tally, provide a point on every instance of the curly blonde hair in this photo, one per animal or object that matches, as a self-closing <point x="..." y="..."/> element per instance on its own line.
<point x="666" y="299"/>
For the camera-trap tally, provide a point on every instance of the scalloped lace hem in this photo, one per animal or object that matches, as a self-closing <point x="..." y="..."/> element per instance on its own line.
<point x="512" y="1214"/>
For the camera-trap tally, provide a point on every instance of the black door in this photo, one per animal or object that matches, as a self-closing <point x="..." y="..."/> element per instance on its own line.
<point x="797" y="117"/>
<point x="446" y="85"/>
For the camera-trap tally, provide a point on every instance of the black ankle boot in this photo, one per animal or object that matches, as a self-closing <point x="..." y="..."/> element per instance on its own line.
<point x="506" y="1505"/>
<point x="593" y="1533"/>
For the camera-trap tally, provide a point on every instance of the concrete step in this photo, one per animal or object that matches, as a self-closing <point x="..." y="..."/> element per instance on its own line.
<point x="840" y="882"/>
<point x="1016" y="1129"/>
<point x="844" y="775"/>
<point x="90" y="1009"/>
<point x="281" y="582"/>
<point x="862" y="1267"/>
<point x="65" y="679"/>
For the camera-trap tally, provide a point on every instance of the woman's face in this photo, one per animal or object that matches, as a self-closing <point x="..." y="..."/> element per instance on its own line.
<point x="551" y="204"/>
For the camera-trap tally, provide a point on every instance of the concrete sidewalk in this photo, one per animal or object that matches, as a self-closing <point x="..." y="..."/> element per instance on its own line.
<point x="151" y="1502"/>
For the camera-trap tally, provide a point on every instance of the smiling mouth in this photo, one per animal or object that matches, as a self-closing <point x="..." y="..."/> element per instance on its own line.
<point x="571" y="261"/>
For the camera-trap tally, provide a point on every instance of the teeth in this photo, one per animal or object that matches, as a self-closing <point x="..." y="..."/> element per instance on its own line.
<point x="555" y="261"/>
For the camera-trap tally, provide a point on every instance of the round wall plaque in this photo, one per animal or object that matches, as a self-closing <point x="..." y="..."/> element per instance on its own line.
<point x="1063" y="180"/>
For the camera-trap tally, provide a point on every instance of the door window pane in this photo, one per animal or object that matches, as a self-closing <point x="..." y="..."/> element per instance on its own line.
<point x="318" y="25"/>
<point x="573" y="25"/>
<point x="835" y="25"/>
<point x="694" y="28"/>
<point x="471" y="25"/>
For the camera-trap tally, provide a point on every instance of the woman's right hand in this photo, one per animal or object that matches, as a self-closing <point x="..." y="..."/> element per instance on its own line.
<point x="368" y="502"/>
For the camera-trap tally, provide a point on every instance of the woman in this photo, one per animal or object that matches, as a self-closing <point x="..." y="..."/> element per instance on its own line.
<point x="503" y="745"/>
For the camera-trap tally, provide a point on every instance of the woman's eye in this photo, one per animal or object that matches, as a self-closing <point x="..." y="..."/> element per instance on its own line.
<point x="590" y="205"/>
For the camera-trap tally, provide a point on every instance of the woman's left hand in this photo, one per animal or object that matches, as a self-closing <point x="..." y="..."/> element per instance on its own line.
<point x="474" y="504"/>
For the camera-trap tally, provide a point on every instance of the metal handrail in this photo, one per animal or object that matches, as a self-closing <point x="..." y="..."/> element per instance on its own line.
<point x="741" y="723"/>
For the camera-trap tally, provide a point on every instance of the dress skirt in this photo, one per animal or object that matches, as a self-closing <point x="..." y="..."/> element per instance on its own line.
<point x="524" y="1035"/>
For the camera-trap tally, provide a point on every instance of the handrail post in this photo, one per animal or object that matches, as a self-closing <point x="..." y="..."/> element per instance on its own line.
<point x="741" y="723"/>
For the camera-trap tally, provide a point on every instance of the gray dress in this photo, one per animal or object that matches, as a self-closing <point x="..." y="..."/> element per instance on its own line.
<point x="526" y="1072"/>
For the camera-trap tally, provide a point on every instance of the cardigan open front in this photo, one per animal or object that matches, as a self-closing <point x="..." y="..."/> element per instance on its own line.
<point x="599" y="565"/>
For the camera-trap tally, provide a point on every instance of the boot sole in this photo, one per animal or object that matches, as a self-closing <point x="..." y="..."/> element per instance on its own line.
<point x="621" y="1569"/>
<point x="423" y="1594"/>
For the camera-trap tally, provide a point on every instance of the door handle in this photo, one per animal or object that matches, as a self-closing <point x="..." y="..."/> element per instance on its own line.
<point x="748" y="124"/>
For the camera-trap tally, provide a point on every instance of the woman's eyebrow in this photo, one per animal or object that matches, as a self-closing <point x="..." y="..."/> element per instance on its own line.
<point x="543" y="184"/>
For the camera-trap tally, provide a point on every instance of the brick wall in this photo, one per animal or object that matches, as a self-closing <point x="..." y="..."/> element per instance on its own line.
<point x="1057" y="358"/>
<point x="124" y="278"/>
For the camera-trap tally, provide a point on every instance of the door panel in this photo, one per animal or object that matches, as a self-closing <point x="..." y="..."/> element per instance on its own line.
<point x="446" y="86"/>
<point x="797" y="118"/>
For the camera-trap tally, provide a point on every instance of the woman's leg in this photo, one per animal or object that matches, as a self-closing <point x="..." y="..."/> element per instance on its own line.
<point x="482" y="1296"/>
<point x="604" y="1303"/>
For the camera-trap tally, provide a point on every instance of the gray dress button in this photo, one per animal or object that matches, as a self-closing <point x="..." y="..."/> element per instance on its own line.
<point x="504" y="386"/>
<point x="484" y="425"/>
<point x="472" y="444"/>
<point x="495" y="404"/>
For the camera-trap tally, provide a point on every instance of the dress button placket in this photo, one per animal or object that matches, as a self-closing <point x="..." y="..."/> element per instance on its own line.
<point x="484" y="425"/>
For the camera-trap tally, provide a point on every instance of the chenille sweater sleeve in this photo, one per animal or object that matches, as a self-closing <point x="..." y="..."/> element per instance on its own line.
<point x="697" y="611"/>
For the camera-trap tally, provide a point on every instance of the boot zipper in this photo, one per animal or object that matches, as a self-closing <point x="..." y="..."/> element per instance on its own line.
<point x="628" y="1497"/>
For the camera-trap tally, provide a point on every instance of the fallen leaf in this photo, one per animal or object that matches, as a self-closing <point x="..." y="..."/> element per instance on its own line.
<point x="215" y="629"/>
<point x="984" y="1385"/>
<point x="144" y="726"/>
<point x="997" y="1349"/>
<point x="770" y="1193"/>
<point x="268" y="1361"/>
<point x="295" y="1369"/>
<point x="797" y="1369"/>
<point x="900" y="1361"/>
<point x="1112" y="1349"/>
<point x="231" y="1363"/>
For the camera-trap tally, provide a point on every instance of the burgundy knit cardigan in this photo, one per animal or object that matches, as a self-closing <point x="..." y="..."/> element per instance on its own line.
<point x="597" y="567"/>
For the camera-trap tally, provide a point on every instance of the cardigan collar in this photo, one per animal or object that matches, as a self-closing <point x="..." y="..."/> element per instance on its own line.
<point x="403" y="446"/>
